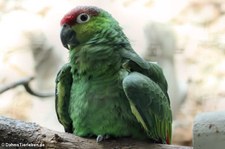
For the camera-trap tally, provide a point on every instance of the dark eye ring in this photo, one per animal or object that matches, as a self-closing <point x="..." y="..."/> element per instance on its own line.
<point x="83" y="18"/>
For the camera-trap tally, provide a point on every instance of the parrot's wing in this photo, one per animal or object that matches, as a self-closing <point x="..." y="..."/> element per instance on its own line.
<point x="146" y="89"/>
<point x="150" y="69"/>
<point x="149" y="105"/>
<point x="131" y="55"/>
<point x="62" y="91"/>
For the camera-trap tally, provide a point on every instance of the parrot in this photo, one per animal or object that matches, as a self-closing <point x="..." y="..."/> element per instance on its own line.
<point x="106" y="90"/>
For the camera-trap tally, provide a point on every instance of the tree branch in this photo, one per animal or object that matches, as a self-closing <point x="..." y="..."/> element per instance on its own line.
<point x="18" y="133"/>
<point x="26" y="83"/>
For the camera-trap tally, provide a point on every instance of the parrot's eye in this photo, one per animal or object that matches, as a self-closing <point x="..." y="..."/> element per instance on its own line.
<point x="82" y="18"/>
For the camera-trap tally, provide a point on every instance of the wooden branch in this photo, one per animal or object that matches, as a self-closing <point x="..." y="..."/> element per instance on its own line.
<point x="34" y="93"/>
<point x="15" y="84"/>
<point x="26" y="83"/>
<point x="16" y="133"/>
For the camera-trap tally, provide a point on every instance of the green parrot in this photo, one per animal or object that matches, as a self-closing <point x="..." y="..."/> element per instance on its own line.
<point x="106" y="89"/>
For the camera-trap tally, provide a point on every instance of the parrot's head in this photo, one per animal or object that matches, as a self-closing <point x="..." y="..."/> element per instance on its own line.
<point x="83" y="23"/>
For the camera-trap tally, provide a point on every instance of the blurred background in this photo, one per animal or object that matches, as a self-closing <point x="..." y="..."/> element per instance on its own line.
<point x="185" y="37"/>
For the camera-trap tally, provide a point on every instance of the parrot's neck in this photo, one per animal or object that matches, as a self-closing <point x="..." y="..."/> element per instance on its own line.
<point x="95" y="61"/>
<point x="101" y="55"/>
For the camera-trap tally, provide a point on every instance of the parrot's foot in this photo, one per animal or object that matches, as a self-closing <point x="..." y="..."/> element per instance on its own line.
<point x="101" y="138"/>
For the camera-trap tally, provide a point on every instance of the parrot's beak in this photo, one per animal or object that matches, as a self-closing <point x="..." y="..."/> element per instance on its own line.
<point x="68" y="37"/>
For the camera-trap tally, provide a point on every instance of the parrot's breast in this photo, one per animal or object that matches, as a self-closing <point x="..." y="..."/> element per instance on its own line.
<point x="100" y="107"/>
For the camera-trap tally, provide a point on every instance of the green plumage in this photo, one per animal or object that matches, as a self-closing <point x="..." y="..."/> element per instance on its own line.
<point x="106" y="88"/>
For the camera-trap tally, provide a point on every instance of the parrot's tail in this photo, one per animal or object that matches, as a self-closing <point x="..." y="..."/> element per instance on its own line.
<point x="168" y="139"/>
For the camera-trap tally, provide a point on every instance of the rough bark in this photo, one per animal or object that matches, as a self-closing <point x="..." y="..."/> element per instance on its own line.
<point x="16" y="133"/>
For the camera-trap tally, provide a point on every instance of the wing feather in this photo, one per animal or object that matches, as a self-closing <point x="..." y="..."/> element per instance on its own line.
<point x="62" y="97"/>
<point x="146" y="90"/>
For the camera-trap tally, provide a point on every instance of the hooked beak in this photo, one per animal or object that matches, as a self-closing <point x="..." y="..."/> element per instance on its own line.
<point x="68" y="37"/>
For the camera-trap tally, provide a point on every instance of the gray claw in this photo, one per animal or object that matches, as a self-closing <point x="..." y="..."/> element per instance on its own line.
<point x="101" y="138"/>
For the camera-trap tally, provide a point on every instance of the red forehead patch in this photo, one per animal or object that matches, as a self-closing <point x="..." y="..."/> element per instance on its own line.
<point x="70" y="17"/>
